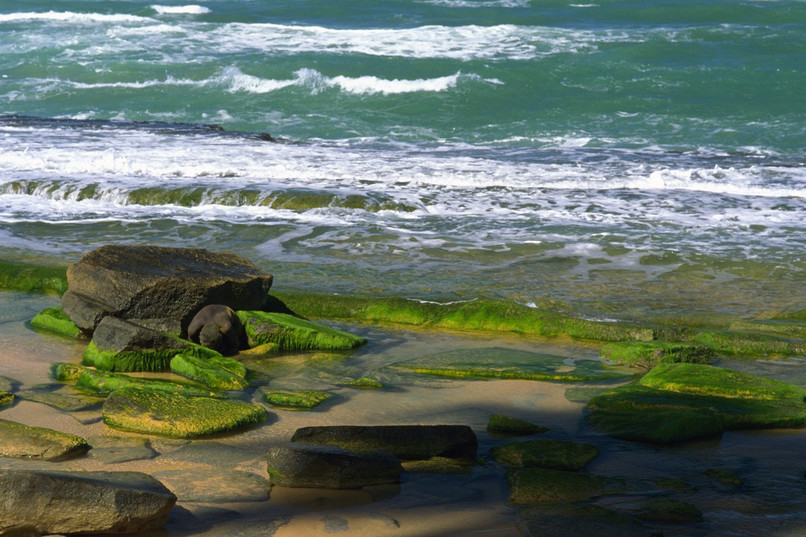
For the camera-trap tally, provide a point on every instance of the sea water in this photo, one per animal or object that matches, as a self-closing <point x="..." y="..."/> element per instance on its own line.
<point x="618" y="156"/>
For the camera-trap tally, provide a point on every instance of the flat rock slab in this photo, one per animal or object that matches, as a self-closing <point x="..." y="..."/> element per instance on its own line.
<point x="406" y="442"/>
<point x="150" y="282"/>
<point x="215" y="485"/>
<point x="83" y="502"/>
<point x="112" y="450"/>
<point x="22" y="441"/>
<point x="330" y="468"/>
<point x="176" y="415"/>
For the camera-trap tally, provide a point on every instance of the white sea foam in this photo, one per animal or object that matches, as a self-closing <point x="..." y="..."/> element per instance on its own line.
<point x="316" y="81"/>
<point x="73" y="18"/>
<point x="191" y="9"/>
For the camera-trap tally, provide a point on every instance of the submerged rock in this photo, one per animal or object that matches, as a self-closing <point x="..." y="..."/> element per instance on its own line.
<point x="215" y="372"/>
<point x="6" y="398"/>
<point x="215" y="485"/>
<point x="331" y="468"/>
<point x="679" y="402"/>
<point x="25" y="442"/>
<point x="545" y="453"/>
<point x="292" y="333"/>
<point x="501" y="425"/>
<point x="146" y="282"/>
<point x="570" y="520"/>
<point x="406" y="442"/>
<point x="83" y="502"/>
<point x="294" y="399"/>
<point x="177" y="415"/>
<point x="646" y="355"/>
<point x="541" y="485"/>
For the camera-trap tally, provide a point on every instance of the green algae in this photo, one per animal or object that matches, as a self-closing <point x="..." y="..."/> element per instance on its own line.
<point x="545" y="453"/>
<point x="680" y="402"/>
<point x="215" y="372"/>
<point x="292" y="333"/>
<point x="6" y="399"/>
<point x="784" y="327"/>
<point x="295" y="399"/>
<point x="502" y="363"/>
<point x="480" y="315"/>
<point x="142" y="360"/>
<point x="646" y="355"/>
<point x="501" y="425"/>
<point x="55" y="321"/>
<point x="104" y="382"/>
<point x="177" y="415"/>
<point x="30" y="278"/>
<point x="543" y="485"/>
<point x="364" y="383"/>
<point x="749" y="343"/>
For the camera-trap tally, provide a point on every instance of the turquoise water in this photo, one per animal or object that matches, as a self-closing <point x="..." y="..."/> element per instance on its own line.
<point x="628" y="158"/>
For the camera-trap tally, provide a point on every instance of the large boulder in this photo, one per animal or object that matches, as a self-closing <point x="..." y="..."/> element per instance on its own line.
<point x="330" y="468"/>
<point x="83" y="502"/>
<point x="406" y="442"/>
<point x="148" y="282"/>
<point x="23" y="441"/>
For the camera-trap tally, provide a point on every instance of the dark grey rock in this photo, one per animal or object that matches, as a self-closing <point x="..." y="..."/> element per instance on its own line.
<point x="406" y="442"/>
<point x="83" y="502"/>
<point x="148" y="282"/>
<point x="330" y="468"/>
<point x="113" y="334"/>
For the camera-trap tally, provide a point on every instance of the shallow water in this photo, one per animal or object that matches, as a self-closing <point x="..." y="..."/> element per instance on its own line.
<point x="771" y="499"/>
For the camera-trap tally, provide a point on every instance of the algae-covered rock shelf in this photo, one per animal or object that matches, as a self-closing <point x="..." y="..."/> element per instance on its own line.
<point x="209" y="371"/>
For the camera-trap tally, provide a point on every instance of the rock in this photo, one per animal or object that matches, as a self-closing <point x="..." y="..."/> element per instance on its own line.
<point x="6" y="399"/>
<point x="25" y="442"/>
<point x="406" y="442"/>
<point x="104" y="382"/>
<point x="218" y="327"/>
<point x="147" y="282"/>
<point x="83" y="502"/>
<point x="330" y="468"/>
<point x="120" y="345"/>
<point x="215" y="485"/>
<point x="55" y="321"/>
<point x="541" y="485"/>
<point x="294" y="399"/>
<point x="293" y="333"/>
<point x="116" y="449"/>
<point x="545" y="453"/>
<point x="507" y="426"/>
<point x="177" y="415"/>
<point x="565" y="520"/>
<point x="215" y="372"/>
<point x="679" y="402"/>
<point x="668" y="511"/>
<point x="648" y="354"/>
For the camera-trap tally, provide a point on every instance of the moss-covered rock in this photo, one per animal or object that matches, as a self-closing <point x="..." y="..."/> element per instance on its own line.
<point x="364" y="383"/>
<point x="163" y="413"/>
<point x="6" y="399"/>
<point x="292" y="333"/>
<point x="143" y="359"/>
<point x="668" y="511"/>
<point x="542" y="485"/>
<point x="679" y="402"/>
<point x="55" y="321"/>
<point x="216" y="372"/>
<point x="25" y="442"/>
<point x="785" y="327"/>
<point x="104" y="383"/>
<point x="545" y="453"/>
<point x="66" y="372"/>
<point x="501" y="425"/>
<point x="32" y="278"/>
<point x="482" y="314"/>
<point x="294" y="399"/>
<point x="646" y="355"/>
<point x="749" y="343"/>
<point x="502" y="363"/>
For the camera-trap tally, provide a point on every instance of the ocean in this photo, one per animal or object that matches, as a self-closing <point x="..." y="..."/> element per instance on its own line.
<point x="614" y="158"/>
